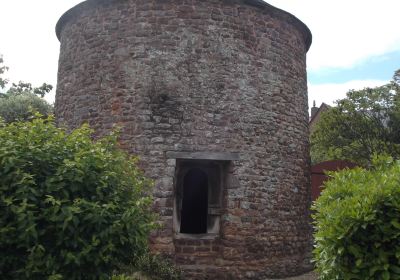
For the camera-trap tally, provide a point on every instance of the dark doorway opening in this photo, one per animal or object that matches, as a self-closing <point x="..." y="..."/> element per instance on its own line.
<point x="194" y="202"/>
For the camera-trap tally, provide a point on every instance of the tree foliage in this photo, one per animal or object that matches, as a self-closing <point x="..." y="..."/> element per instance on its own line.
<point x="71" y="208"/>
<point x="357" y="222"/>
<point x="3" y="69"/>
<point x="21" y="100"/>
<point x="14" y="107"/>
<point x="365" y="123"/>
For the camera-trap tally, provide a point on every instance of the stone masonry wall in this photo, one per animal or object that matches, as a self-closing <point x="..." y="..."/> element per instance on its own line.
<point x="202" y="76"/>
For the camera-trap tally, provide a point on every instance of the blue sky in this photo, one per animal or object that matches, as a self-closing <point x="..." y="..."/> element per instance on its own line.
<point x="355" y="43"/>
<point x="375" y="67"/>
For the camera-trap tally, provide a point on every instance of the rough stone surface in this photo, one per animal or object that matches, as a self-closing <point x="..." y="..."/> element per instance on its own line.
<point x="202" y="76"/>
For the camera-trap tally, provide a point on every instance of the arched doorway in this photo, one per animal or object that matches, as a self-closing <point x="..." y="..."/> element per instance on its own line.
<point x="194" y="202"/>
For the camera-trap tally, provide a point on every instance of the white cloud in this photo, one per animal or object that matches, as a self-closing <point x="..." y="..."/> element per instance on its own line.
<point x="346" y="33"/>
<point x="329" y="93"/>
<point x="28" y="41"/>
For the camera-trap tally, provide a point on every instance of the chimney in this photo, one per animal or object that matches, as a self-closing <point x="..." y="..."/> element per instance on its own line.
<point x="314" y="110"/>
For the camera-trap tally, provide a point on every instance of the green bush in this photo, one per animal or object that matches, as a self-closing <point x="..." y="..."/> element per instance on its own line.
<point x="150" y="266"/>
<point x="157" y="267"/>
<point x="71" y="208"/>
<point x="357" y="220"/>
<point x="14" y="107"/>
<point x="124" y="277"/>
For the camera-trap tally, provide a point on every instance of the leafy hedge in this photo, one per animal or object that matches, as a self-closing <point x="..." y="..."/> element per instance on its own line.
<point x="357" y="222"/>
<point x="70" y="208"/>
<point x="14" y="107"/>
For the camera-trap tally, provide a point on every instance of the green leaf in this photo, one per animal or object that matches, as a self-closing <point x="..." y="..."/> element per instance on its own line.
<point x="395" y="223"/>
<point x="386" y="275"/>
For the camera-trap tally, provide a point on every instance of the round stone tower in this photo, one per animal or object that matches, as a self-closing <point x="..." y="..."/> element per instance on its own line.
<point x="212" y="96"/>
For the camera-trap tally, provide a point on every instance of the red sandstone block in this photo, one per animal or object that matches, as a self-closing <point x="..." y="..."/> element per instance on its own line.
<point x="188" y="250"/>
<point x="202" y="249"/>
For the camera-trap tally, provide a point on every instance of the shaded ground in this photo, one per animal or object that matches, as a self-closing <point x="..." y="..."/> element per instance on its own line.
<point x="308" y="276"/>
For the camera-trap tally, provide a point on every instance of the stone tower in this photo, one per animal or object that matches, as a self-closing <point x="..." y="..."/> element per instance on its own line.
<point x="212" y="95"/>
